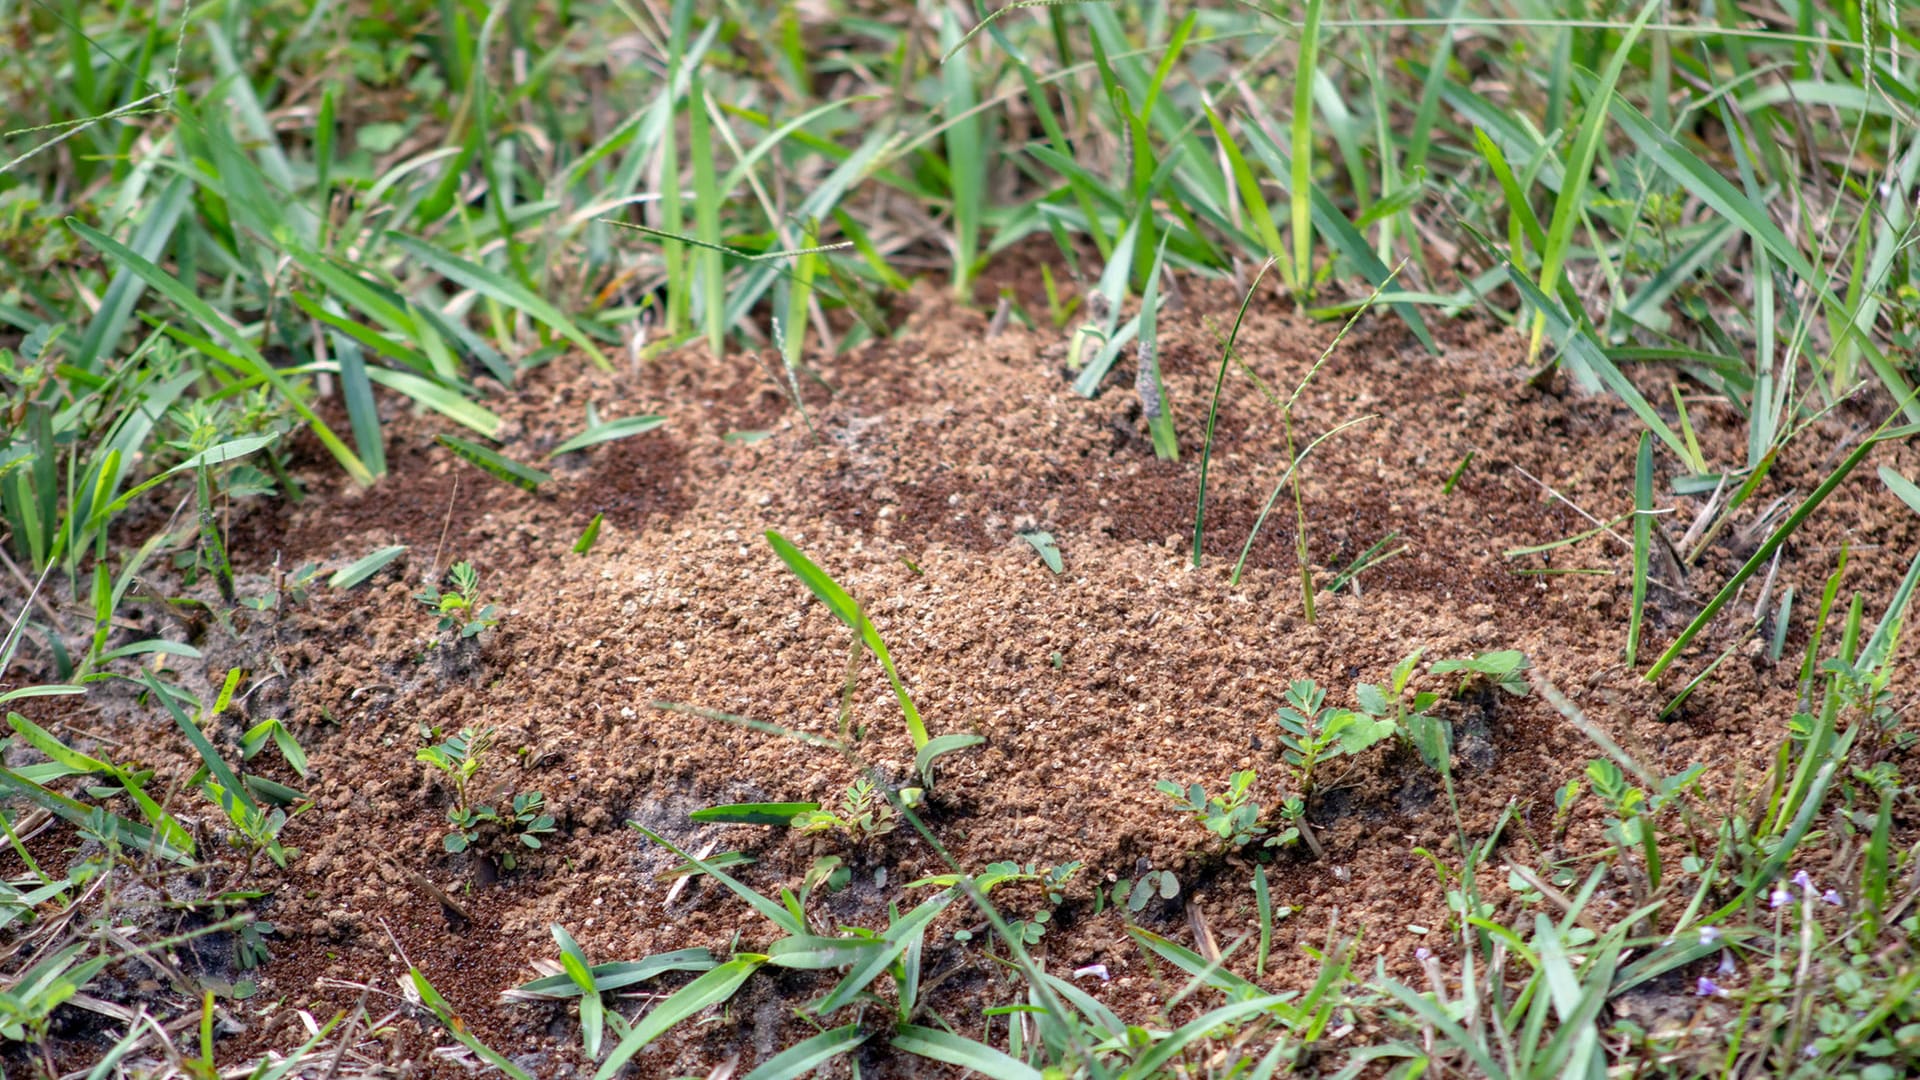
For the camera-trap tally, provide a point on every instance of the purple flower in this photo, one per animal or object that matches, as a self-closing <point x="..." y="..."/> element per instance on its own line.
<point x="1708" y="988"/>
<point x="1832" y="896"/>
<point x="1423" y="954"/>
<point x="1709" y="935"/>
<point x="1779" y="897"/>
<point x="1805" y="881"/>
<point x="1727" y="967"/>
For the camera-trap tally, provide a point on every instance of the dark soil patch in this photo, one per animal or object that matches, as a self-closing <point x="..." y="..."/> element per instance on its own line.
<point x="933" y="452"/>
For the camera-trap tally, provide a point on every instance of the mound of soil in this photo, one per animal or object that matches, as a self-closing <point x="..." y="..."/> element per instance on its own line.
<point x="916" y="469"/>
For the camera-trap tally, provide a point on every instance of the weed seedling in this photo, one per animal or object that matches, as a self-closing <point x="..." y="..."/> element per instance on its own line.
<point x="1136" y="895"/>
<point x="1232" y="816"/>
<point x="270" y="729"/>
<point x="458" y="759"/>
<point x="288" y="588"/>
<point x="1506" y="669"/>
<point x="460" y="607"/>
<point x="527" y="822"/>
<point x="1633" y="809"/>
<point x="520" y="824"/>
<point x="1312" y="733"/>
<point x="1412" y="717"/>
<point x="864" y="815"/>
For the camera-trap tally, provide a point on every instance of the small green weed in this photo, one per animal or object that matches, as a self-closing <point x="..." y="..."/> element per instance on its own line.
<point x="864" y="815"/>
<point x="1633" y="809"/>
<point x="521" y="824"/>
<point x="1134" y="896"/>
<point x="1313" y="733"/>
<point x="1506" y="669"/>
<point x="272" y="730"/>
<point x="1231" y="816"/>
<point x="1053" y="890"/>
<point x="460" y="607"/>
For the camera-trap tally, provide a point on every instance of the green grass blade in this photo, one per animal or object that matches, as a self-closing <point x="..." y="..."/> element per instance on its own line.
<point x="781" y="814"/>
<point x="848" y="611"/>
<point x="1642" y="541"/>
<point x="1575" y="339"/>
<point x="1213" y="409"/>
<point x="1706" y="184"/>
<point x="806" y="952"/>
<point x="123" y="293"/>
<point x="702" y="993"/>
<point x="615" y="975"/>
<point x="1198" y="1029"/>
<point x="363" y="414"/>
<point x="1247" y="189"/>
<point x="365" y="567"/>
<point x="951" y="1049"/>
<point x="1763" y="553"/>
<point x="198" y="309"/>
<point x="443" y="1012"/>
<point x="1300" y="192"/>
<point x="807" y="1055"/>
<point x="500" y="290"/>
<point x="775" y="913"/>
<point x="874" y="964"/>
<point x="432" y="395"/>
<point x="608" y="431"/>
<point x="937" y="746"/>
<point x="216" y="765"/>
<point x="588" y="535"/>
<point x="1340" y="232"/>
<point x="966" y="158"/>
<point x="77" y="813"/>
<point x="501" y="467"/>
<point x="1572" y="198"/>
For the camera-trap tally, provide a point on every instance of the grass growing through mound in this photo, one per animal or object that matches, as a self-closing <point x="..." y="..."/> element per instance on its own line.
<point x="216" y="219"/>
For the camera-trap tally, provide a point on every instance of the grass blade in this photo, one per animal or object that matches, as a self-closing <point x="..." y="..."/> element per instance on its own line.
<point x="966" y="158"/>
<point x="1302" y="130"/>
<point x="898" y="936"/>
<point x="524" y="477"/>
<point x="1213" y="410"/>
<point x="1706" y="184"/>
<point x="1572" y="200"/>
<point x="1642" y="541"/>
<point x="1763" y="553"/>
<point x="708" y="990"/>
<point x="607" y="431"/>
<point x="944" y="1046"/>
<point x="257" y="365"/>
<point x="775" y="913"/>
<point x="847" y="610"/>
<point x="781" y="814"/>
<point x="444" y="1013"/>
<point x="1571" y="337"/>
<point x="365" y="567"/>
<point x="804" y="1057"/>
<point x="500" y="290"/>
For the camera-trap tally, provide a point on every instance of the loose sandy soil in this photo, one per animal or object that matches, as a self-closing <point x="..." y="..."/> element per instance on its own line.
<point x="928" y="454"/>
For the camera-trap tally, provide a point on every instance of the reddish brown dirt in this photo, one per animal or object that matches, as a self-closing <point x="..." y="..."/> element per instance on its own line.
<point x="928" y="455"/>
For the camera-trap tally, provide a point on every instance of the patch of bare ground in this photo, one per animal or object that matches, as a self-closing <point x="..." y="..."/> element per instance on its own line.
<point x="927" y="455"/>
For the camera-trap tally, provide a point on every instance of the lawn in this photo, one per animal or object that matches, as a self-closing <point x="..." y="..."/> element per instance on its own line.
<point x="747" y="539"/>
